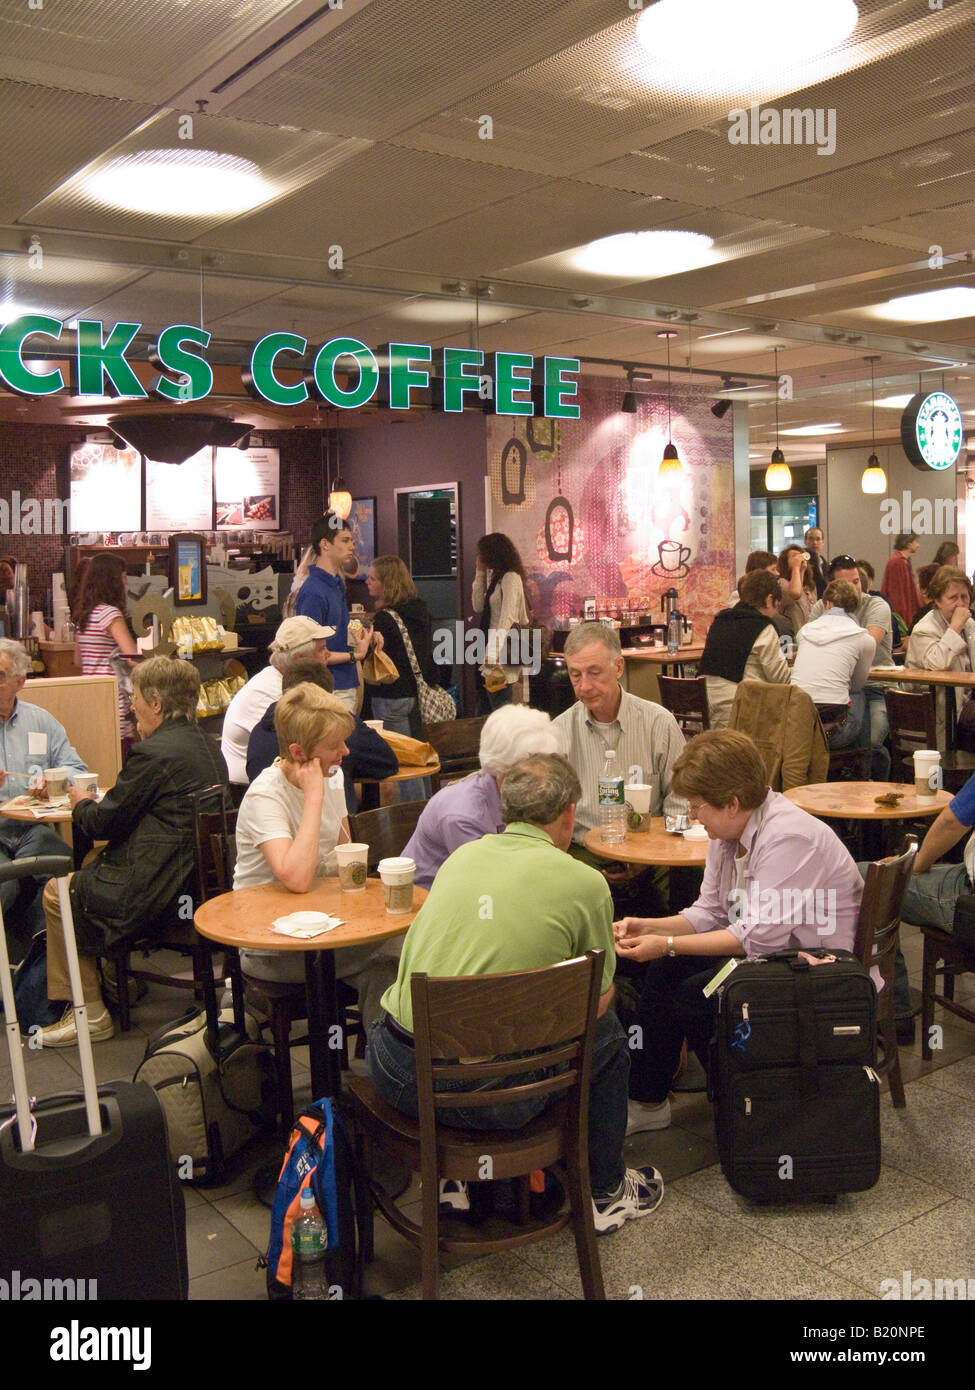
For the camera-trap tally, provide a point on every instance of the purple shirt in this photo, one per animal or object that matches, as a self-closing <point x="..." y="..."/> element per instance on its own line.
<point x="463" y="811"/>
<point x="799" y="886"/>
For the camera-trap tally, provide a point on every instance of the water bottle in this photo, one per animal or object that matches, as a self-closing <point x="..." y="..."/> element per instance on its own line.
<point x="309" y="1239"/>
<point x="673" y="633"/>
<point x="612" y="804"/>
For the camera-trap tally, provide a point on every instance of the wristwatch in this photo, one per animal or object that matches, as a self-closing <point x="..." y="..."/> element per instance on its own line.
<point x="670" y="946"/>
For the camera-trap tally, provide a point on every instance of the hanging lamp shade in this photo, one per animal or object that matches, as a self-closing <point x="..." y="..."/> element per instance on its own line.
<point x="340" y="499"/>
<point x="670" y="464"/>
<point x="778" y="478"/>
<point x="873" y="478"/>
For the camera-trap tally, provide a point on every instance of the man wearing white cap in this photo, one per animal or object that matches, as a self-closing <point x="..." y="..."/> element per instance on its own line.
<point x="294" y="639"/>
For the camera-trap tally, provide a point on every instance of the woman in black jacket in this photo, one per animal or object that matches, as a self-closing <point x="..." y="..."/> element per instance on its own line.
<point x="135" y="884"/>
<point x="392" y="590"/>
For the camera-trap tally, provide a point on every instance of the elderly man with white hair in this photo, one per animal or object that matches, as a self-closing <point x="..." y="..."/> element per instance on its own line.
<point x="295" y="638"/>
<point x="468" y="809"/>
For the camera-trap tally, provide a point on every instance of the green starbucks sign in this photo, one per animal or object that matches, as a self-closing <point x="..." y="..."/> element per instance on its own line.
<point x="931" y="430"/>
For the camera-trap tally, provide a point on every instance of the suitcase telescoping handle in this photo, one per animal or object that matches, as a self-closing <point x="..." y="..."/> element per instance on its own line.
<point x="56" y="866"/>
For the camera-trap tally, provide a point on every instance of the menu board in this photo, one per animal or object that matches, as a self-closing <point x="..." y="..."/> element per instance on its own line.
<point x="106" y="488"/>
<point x="179" y="496"/>
<point x="248" y="490"/>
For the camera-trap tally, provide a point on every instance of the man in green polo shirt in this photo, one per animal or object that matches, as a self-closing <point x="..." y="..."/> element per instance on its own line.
<point x="517" y="901"/>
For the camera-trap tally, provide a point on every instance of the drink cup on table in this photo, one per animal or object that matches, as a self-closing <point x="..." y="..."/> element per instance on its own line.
<point x="927" y="772"/>
<point x="638" y="799"/>
<point x="85" y="781"/>
<point x="353" y="863"/>
<point x="397" y="880"/>
<point x="56" y="782"/>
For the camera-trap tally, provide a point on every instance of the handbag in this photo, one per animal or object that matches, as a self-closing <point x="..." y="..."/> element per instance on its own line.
<point x="436" y="706"/>
<point x="378" y="668"/>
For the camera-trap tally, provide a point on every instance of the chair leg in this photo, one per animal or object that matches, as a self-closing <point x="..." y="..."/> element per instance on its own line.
<point x="584" y="1231"/>
<point x="281" y="1033"/>
<point x="430" y="1236"/>
<point x="928" y="985"/>
<point x="365" y="1206"/>
<point x="122" y="988"/>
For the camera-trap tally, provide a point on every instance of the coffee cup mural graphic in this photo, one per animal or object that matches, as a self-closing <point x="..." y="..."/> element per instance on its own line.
<point x="673" y="559"/>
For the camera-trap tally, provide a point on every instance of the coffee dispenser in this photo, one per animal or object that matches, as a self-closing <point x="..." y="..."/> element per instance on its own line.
<point x="668" y="604"/>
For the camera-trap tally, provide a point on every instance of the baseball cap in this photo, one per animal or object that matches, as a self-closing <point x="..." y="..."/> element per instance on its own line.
<point x="295" y="632"/>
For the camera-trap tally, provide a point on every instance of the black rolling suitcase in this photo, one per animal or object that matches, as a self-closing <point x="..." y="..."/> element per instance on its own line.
<point x="89" y="1198"/>
<point x="796" y="1096"/>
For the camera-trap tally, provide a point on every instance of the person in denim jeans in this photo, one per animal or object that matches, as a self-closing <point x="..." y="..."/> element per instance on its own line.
<point x="544" y="908"/>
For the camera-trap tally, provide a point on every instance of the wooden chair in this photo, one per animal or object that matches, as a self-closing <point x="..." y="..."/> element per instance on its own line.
<point x="211" y="818"/>
<point x="687" y="700"/>
<point x="387" y="830"/>
<point x="549" y="1014"/>
<point x="948" y="957"/>
<point x="913" y="725"/>
<point x="456" y="742"/>
<point x="876" y="945"/>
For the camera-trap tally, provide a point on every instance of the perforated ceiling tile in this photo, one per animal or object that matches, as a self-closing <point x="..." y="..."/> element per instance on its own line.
<point x="140" y="49"/>
<point x="161" y="297"/>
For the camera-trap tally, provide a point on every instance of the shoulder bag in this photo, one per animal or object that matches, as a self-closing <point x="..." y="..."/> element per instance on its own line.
<point x="436" y="706"/>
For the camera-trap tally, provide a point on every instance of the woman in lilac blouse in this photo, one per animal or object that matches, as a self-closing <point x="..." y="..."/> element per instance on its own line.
<point x="468" y="809"/>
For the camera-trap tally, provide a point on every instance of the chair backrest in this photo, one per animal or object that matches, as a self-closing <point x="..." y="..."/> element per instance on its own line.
<point x="456" y="742"/>
<point x="548" y="1013"/>
<point x="912" y="725"/>
<point x="214" y="824"/>
<point x="782" y="720"/>
<point x="687" y="700"/>
<point x="386" y="830"/>
<point x="880" y="908"/>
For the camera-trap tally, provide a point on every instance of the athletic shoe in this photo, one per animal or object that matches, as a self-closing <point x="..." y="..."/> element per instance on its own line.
<point x="640" y="1193"/>
<point x="640" y="1117"/>
<point x="454" y="1195"/>
<point x="65" y="1034"/>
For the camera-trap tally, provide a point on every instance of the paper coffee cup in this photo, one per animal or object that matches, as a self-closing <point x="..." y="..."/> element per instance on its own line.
<point x="353" y="864"/>
<point x="927" y="772"/>
<point x="639" y="794"/>
<point x="56" y="781"/>
<point x="377" y="724"/>
<point x="85" y="781"/>
<point x="397" y="880"/>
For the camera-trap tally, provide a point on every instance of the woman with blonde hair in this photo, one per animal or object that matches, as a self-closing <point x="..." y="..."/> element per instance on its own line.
<point x="291" y="818"/>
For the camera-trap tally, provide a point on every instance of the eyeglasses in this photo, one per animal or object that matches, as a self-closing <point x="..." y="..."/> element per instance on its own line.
<point x="843" y="562"/>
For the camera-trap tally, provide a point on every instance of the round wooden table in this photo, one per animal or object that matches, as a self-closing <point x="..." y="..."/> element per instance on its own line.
<point x="59" y="815"/>
<point x="372" y="787"/>
<point x="652" y="847"/>
<point x="857" y="800"/>
<point x="243" y="919"/>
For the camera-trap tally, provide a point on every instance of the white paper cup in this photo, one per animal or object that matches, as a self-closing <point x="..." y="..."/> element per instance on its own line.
<point x="639" y="795"/>
<point x="353" y="862"/>
<point x="377" y="724"/>
<point x="695" y="832"/>
<point x="397" y="879"/>
<point x="927" y="772"/>
<point x="56" y="781"/>
<point x="85" y="781"/>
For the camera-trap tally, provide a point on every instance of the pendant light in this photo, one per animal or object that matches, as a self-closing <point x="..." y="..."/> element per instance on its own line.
<point x="670" y="465"/>
<point x="873" y="478"/>
<point x="777" y="475"/>
<point x="339" y="496"/>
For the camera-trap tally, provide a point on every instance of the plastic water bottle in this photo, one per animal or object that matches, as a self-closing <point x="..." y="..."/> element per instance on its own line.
<point x="309" y="1240"/>
<point x="673" y="634"/>
<point x="612" y="804"/>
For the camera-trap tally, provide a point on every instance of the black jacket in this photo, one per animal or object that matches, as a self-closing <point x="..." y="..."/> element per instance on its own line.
<point x="417" y="621"/>
<point x="147" y="819"/>
<point x="369" y="754"/>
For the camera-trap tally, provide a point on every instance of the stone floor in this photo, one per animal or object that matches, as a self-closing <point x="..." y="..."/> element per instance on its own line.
<point x="703" y="1242"/>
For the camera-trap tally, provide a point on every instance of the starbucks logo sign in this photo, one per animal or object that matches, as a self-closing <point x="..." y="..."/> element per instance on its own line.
<point x="931" y="430"/>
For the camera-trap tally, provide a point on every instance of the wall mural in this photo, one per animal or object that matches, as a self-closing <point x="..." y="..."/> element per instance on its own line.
<point x="583" y="502"/>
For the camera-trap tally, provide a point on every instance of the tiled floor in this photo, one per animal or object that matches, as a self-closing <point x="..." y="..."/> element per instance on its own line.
<point x="703" y="1242"/>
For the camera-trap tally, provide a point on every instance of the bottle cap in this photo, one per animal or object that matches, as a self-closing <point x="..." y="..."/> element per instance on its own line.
<point x="307" y="1197"/>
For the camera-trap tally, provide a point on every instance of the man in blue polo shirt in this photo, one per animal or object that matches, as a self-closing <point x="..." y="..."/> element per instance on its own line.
<point x="322" y="597"/>
<point x="933" y="891"/>
<point x="31" y="741"/>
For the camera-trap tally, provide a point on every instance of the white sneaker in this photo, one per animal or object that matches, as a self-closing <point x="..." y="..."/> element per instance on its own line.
<point x="65" y="1034"/>
<point x="640" y="1117"/>
<point x="454" y="1195"/>
<point x="640" y="1193"/>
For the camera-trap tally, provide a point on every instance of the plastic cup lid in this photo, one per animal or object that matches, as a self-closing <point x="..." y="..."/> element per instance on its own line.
<point x="396" y="866"/>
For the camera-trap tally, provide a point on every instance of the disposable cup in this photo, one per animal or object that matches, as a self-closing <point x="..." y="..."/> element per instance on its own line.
<point x="397" y="880"/>
<point x="56" y="781"/>
<point x="353" y="862"/>
<point x="377" y="724"/>
<point x="638" y="794"/>
<point x="927" y="772"/>
<point x="695" y="832"/>
<point x="85" y="781"/>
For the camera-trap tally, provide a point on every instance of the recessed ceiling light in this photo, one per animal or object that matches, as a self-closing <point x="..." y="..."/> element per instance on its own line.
<point x="10" y="311"/>
<point x="835" y="428"/>
<point x="645" y="255"/>
<point x="717" y="46"/>
<point x="180" y="183"/>
<point x="933" y="306"/>
<point x="894" y="402"/>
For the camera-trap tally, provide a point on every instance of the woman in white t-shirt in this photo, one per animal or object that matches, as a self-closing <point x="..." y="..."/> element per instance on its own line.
<point x="498" y="596"/>
<point x="290" y="820"/>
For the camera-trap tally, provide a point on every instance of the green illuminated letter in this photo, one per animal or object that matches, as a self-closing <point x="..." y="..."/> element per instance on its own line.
<point x="100" y="367"/>
<point x="452" y="363"/>
<point x="168" y="355"/>
<point x="323" y="375"/>
<point x="402" y="379"/>
<point x="259" y="378"/>
<point x="510" y="370"/>
<point x="19" y="378"/>
<point x="556" y="388"/>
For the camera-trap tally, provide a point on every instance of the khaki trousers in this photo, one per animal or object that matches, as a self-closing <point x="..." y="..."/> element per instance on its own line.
<point x="58" y="981"/>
